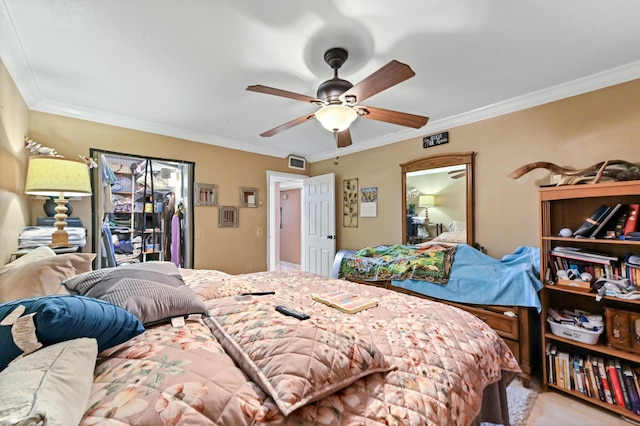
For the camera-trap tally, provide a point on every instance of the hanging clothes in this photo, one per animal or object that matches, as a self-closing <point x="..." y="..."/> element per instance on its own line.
<point x="108" y="179"/>
<point x="176" y="238"/>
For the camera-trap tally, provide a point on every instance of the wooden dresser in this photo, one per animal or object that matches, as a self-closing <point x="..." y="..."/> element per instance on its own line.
<point x="518" y="326"/>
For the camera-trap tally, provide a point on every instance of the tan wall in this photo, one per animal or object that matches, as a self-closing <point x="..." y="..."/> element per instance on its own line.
<point x="14" y="208"/>
<point x="575" y="132"/>
<point x="234" y="250"/>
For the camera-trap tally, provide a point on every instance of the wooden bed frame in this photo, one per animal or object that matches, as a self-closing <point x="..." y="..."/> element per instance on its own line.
<point x="516" y="325"/>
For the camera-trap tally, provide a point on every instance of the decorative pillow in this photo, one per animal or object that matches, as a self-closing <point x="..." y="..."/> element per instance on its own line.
<point x="154" y="292"/>
<point x="296" y="362"/>
<point x="451" y="237"/>
<point x="40" y="272"/>
<point x="27" y="324"/>
<point x="50" y="386"/>
<point x="457" y="226"/>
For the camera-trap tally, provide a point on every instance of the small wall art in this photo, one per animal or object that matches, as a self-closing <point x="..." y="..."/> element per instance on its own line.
<point x="206" y="194"/>
<point x="248" y="197"/>
<point x="350" y="203"/>
<point x="369" y="202"/>
<point x="227" y="217"/>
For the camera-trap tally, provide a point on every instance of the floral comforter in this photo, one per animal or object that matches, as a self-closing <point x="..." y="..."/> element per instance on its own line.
<point x="432" y="361"/>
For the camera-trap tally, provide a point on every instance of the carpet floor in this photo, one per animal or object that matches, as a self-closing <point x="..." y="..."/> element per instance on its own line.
<point x="521" y="401"/>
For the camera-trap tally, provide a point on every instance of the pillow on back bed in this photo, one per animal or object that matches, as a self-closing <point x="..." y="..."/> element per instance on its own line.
<point x="154" y="292"/>
<point x="40" y="272"/>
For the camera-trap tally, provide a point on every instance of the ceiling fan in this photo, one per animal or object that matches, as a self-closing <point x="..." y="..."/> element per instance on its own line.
<point x="339" y="100"/>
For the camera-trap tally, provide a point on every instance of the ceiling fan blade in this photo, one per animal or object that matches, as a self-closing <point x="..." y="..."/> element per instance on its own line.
<point x="286" y="126"/>
<point x="389" y="75"/>
<point x="285" y="94"/>
<point x="458" y="174"/>
<point x="395" y="117"/>
<point x="343" y="138"/>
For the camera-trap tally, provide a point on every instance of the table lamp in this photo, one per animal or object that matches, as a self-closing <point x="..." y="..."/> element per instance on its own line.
<point x="58" y="177"/>
<point x="426" y="201"/>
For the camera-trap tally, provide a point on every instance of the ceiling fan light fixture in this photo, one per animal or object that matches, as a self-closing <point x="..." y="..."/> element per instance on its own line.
<point x="336" y="118"/>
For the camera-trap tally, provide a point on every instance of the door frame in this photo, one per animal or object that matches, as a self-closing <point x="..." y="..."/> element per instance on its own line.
<point x="277" y="181"/>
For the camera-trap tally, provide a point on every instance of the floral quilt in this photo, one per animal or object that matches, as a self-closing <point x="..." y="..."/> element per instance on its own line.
<point x="437" y="361"/>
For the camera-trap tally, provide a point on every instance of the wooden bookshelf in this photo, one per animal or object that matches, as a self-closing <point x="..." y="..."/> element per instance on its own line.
<point x="568" y="207"/>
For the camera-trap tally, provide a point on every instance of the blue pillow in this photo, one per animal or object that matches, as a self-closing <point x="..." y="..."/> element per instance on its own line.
<point x="65" y="317"/>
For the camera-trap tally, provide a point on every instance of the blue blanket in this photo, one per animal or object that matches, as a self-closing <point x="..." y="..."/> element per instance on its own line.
<point x="480" y="279"/>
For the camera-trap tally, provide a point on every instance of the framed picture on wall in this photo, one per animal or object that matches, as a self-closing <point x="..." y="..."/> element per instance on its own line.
<point x="248" y="197"/>
<point x="227" y="217"/>
<point x="206" y="194"/>
<point x="350" y="203"/>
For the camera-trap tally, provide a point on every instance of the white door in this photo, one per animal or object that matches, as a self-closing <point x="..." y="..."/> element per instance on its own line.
<point x="318" y="224"/>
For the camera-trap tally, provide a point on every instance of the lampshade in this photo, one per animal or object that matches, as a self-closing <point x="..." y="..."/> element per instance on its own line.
<point x="336" y="118"/>
<point x="54" y="176"/>
<point x="58" y="177"/>
<point x="426" y="201"/>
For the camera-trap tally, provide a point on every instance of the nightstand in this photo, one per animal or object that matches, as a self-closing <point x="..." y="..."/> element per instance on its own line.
<point x="17" y="254"/>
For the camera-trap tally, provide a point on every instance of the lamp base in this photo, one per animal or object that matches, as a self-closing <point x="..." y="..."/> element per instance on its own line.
<point x="60" y="237"/>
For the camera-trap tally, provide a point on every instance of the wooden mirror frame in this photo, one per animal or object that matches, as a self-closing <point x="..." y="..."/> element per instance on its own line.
<point x="434" y="162"/>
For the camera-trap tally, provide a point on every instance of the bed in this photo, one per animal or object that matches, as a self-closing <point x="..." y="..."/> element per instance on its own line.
<point x="502" y="292"/>
<point x="151" y="344"/>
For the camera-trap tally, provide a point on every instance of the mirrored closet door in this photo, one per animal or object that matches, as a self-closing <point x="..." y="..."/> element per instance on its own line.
<point x="142" y="210"/>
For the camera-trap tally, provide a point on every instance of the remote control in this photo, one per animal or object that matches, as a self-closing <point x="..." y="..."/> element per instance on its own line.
<point x="292" y="313"/>
<point x="258" y="293"/>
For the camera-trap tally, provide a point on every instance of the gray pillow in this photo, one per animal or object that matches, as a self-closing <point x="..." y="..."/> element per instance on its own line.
<point x="154" y="292"/>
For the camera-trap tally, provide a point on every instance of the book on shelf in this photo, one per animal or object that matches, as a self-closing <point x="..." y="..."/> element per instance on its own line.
<point x="621" y="222"/>
<point x="584" y="256"/>
<point x="632" y="389"/>
<point x="609" y="222"/>
<point x="564" y="370"/>
<point x="578" y="374"/>
<point x="553" y="377"/>
<point x="632" y="219"/>
<point x="625" y="393"/>
<point x="344" y="301"/>
<point x="616" y="389"/>
<point x="604" y="379"/>
<point x="592" y="365"/>
<point x="592" y="222"/>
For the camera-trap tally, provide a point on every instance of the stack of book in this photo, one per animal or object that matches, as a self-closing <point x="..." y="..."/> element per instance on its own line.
<point x="607" y="379"/>
<point x="599" y="265"/>
<point x="631" y="269"/>
<point x="574" y="258"/>
<point x="619" y="221"/>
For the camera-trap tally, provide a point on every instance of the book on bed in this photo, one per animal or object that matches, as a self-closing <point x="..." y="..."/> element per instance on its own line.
<point x="344" y="301"/>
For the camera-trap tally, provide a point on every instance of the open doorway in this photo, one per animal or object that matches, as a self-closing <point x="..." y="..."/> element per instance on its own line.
<point x="284" y="242"/>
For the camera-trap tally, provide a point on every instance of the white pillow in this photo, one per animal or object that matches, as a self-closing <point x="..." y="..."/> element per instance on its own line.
<point x="451" y="237"/>
<point x="50" y="386"/>
<point x="457" y="226"/>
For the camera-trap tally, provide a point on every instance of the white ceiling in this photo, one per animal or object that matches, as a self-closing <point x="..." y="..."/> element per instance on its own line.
<point x="180" y="68"/>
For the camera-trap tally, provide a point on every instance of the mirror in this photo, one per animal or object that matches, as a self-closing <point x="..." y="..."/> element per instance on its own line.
<point x="438" y="199"/>
<point x="248" y="197"/>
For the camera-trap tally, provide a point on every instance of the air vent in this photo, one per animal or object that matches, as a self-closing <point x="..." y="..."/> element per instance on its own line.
<point x="297" y="162"/>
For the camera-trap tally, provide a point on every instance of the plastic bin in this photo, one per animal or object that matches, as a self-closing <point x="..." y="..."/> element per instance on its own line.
<point x="572" y="332"/>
